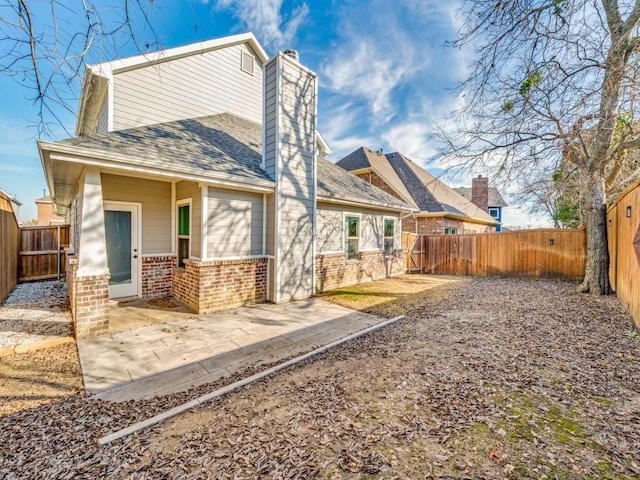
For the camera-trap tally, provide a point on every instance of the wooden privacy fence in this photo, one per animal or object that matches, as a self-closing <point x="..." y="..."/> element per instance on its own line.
<point x="42" y="252"/>
<point x="550" y="253"/>
<point x="623" y="228"/>
<point x="9" y="235"/>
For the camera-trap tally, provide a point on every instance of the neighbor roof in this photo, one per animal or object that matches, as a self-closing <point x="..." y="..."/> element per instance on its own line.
<point x="221" y="146"/>
<point x="414" y="184"/>
<point x="495" y="199"/>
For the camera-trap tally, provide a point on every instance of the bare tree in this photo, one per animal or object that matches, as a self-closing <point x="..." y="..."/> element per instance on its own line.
<point x="554" y="79"/>
<point x="44" y="45"/>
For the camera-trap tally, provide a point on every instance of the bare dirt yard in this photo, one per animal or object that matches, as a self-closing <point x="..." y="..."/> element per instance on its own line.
<point x="484" y="378"/>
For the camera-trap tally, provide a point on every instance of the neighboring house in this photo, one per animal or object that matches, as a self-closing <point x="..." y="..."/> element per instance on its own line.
<point x="180" y="182"/>
<point x="15" y="205"/>
<point x="485" y="197"/>
<point x="46" y="214"/>
<point x="439" y="209"/>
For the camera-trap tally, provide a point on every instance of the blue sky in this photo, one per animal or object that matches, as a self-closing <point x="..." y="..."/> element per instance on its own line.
<point x="386" y="77"/>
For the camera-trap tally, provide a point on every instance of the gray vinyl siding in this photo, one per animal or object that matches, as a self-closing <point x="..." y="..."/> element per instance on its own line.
<point x="103" y="120"/>
<point x="155" y="198"/>
<point x="290" y="136"/>
<point x="234" y="222"/>
<point x="330" y="228"/>
<point x="189" y="87"/>
<point x="329" y="225"/>
<point x="190" y="190"/>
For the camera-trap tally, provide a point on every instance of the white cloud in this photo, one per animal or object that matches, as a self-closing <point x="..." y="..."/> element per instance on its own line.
<point x="265" y="19"/>
<point x="361" y="68"/>
<point x="411" y="139"/>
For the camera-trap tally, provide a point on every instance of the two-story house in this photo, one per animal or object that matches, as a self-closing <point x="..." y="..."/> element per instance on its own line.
<point x="438" y="209"/>
<point x="198" y="171"/>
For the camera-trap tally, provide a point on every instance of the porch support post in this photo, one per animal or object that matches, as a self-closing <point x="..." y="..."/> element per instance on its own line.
<point x="91" y="290"/>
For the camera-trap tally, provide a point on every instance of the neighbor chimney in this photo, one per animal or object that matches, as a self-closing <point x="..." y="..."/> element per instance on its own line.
<point x="480" y="192"/>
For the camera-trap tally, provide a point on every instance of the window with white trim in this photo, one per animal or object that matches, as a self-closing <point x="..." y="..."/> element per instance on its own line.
<point x="184" y="232"/>
<point x="352" y="236"/>
<point x="389" y="235"/>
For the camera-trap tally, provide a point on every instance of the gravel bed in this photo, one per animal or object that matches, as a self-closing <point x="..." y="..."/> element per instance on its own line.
<point x="35" y="311"/>
<point x="486" y="378"/>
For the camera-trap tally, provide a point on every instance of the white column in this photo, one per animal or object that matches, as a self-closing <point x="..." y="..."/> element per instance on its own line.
<point x="92" y="254"/>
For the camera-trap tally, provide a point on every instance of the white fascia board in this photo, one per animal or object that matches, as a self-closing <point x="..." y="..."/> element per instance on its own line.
<point x="132" y="164"/>
<point x="349" y="203"/>
<point x="325" y="149"/>
<point x="198" y="48"/>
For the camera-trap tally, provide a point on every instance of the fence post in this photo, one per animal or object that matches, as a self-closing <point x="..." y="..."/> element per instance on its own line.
<point x="59" y="259"/>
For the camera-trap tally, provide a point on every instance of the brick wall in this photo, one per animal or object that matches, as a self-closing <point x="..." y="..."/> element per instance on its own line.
<point x="89" y="300"/>
<point x="156" y="276"/>
<point x="217" y="285"/>
<point x="437" y="225"/>
<point x="335" y="271"/>
<point x="374" y="179"/>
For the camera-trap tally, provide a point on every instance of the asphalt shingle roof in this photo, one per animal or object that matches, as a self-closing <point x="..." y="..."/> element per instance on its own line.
<point x="414" y="184"/>
<point x="223" y="145"/>
<point x="336" y="183"/>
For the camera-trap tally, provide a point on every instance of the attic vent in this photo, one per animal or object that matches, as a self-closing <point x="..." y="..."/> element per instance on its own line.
<point x="247" y="63"/>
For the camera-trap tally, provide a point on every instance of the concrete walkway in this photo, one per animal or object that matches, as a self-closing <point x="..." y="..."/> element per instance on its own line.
<point x="176" y="355"/>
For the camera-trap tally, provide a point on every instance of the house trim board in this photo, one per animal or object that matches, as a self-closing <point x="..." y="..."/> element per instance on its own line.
<point x="350" y="203"/>
<point x="178" y="204"/>
<point x="204" y="217"/>
<point x="173" y="218"/>
<point x="454" y="216"/>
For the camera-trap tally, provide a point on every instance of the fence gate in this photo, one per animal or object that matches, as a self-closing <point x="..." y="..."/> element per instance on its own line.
<point x="42" y="252"/>
<point x="413" y="246"/>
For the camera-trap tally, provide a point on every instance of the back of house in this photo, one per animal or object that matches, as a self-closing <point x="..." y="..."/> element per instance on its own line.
<point x="198" y="172"/>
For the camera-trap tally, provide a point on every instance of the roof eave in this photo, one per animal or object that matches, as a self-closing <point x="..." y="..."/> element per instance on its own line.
<point x="353" y="203"/>
<point x="128" y="163"/>
<point x="160" y="56"/>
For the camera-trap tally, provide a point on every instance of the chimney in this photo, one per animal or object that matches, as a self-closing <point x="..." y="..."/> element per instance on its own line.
<point x="480" y="192"/>
<point x="289" y="157"/>
<point x="291" y="53"/>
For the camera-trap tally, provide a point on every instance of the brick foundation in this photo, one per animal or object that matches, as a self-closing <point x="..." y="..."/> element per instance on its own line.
<point x="335" y="271"/>
<point x="156" y="276"/>
<point x="89" y="300"/>
<point x="217" y="285"/>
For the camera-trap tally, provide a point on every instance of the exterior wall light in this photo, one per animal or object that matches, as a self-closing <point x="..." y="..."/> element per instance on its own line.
<point x="629" y="211"/>
<point x="552" y="241"/>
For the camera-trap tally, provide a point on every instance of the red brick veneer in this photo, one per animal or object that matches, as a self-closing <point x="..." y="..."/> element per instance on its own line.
<point x="89" y="299"/>
<point x="156" y="276"/>
<point x="216" y="285"/>
<point x="335" y="271"/>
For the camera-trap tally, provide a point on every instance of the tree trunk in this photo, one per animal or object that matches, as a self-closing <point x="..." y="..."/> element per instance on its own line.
<point x="596" y="276"/>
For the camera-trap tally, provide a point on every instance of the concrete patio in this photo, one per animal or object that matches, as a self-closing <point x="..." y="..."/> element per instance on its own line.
<point x="188" y="350"/>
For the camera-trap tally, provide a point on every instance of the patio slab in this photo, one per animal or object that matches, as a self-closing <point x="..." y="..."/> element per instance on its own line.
<point x="187" y="350"/>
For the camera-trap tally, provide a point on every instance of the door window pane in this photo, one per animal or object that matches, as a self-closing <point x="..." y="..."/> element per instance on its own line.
<point x="117" y="227"/>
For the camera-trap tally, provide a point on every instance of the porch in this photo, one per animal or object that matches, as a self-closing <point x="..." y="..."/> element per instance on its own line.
<point x="188" y="350"/>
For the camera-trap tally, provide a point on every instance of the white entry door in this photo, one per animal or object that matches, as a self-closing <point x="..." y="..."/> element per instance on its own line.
<point x="123" y="250"/>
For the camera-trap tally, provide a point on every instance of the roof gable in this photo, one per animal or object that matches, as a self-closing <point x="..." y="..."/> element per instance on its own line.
<point x="415" y="184"/>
